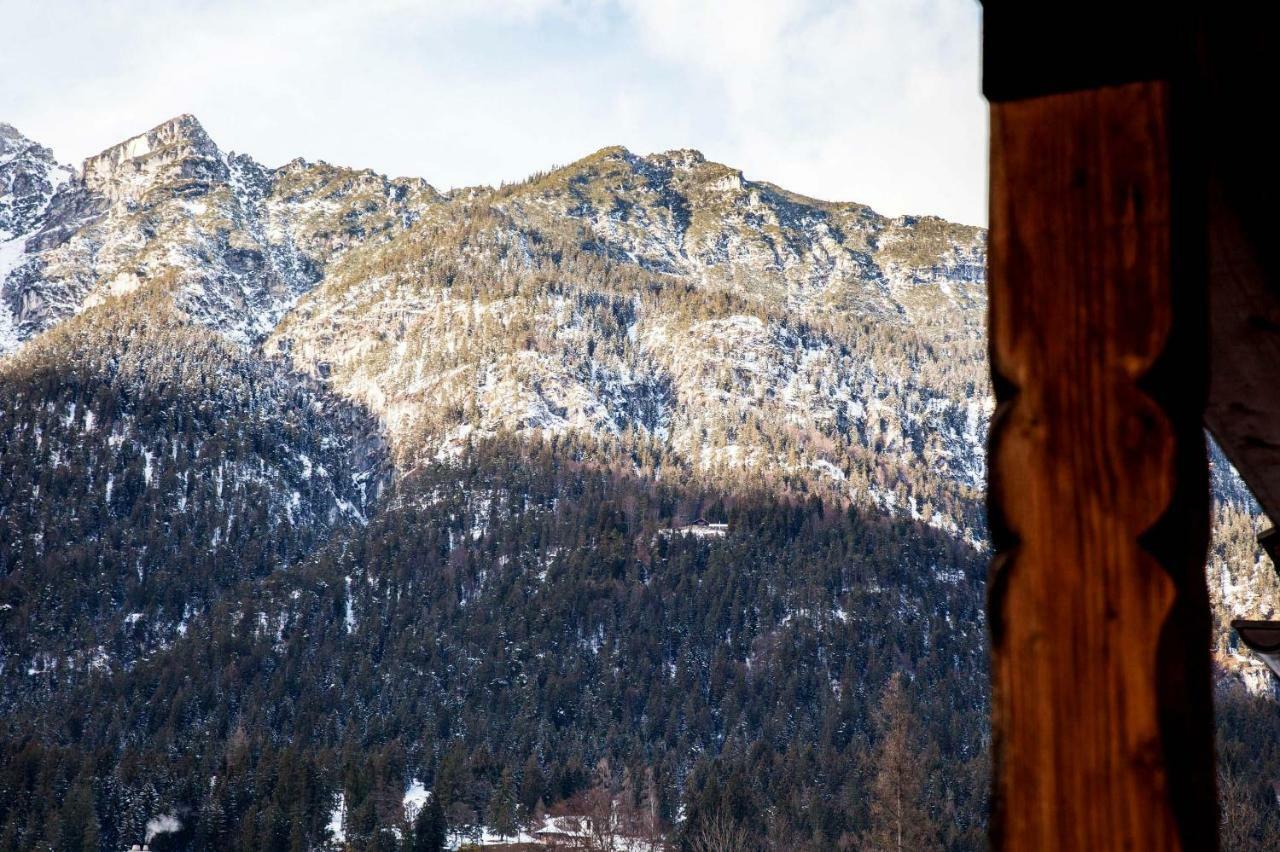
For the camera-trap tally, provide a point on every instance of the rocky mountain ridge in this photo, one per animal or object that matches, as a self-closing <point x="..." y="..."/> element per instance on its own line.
<point x="236" y="246"/>
<point x="29" y="178"/>
<point x="235" y="243"/>
<point x="673" y="213"/>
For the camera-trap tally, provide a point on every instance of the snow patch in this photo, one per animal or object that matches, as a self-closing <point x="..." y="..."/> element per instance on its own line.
<point x="350" y="618"/>
<point x="13" y="253"/>
<point x="415" y="798"/>
<point x="338" y="819"/>
<point x="162" y="824"/>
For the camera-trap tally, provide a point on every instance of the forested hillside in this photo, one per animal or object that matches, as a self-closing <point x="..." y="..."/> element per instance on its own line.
<point x="519" y="613"/>
<point x="337" y="512"/>
<point x="148" y="467"/>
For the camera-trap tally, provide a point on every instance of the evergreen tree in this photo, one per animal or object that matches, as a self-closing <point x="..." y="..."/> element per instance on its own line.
<point x="78" y="821"/>
<point x="533" y="786"/>
<point x="429" y="827"/>
<point x="502" y="806"/>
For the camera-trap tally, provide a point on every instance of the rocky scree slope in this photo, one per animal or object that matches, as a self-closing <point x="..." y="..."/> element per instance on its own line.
<point x="666" y="302"/>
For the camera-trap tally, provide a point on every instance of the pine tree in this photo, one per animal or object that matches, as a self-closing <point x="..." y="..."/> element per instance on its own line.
<point x="78" y="821"/>
<point x="429" y="827"/>
<point x="533" y="786"/>
<point x="502" y="806"/>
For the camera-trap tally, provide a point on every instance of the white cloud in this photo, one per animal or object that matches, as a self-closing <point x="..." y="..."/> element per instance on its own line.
<point x="868" y="100"/>
<point x="874" y="100"/>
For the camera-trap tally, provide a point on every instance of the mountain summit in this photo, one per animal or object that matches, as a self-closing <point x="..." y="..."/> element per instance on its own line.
<point x="177" y="154"/>
<point x="231" y="242"/>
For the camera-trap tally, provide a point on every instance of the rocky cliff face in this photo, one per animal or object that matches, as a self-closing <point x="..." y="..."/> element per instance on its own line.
<point x="679" y="214"/>
<point x="233" y="243"/>
<point x="176" y="157"/>
<point x="669" y="301"/>
<point x="29" y="177"/>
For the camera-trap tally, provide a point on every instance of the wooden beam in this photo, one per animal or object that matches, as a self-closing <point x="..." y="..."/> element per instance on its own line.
<point x="1244" y="406"/>
<point x="1035" y="49"/>
<point x="1269" y="539"/>
<point x="1098" y="492"/>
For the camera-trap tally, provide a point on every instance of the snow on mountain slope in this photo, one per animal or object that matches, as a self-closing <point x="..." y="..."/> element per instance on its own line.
<point x="235" y="243"/>
<point x="748" y="333"/>
<point x="666" y="301"/>
<point x="148" y="466"/>
<point x="678" y="213"/>
<point x="29" y="178"/>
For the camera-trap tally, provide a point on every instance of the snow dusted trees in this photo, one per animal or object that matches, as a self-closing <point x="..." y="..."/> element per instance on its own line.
<point x="519" y="609"/>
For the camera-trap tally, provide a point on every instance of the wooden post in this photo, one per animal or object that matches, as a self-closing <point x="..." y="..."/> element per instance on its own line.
<point x="1098" y="492"/>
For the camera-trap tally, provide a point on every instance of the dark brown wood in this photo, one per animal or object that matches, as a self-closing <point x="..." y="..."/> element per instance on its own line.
<point x="1269" y="539"/>
<point x="1098" y="492"/>
<point x="1244" y="407"/>
<point x="1260" y="636"/>
<point x="1034" y="49"/>
<point x="1244" y="400"/>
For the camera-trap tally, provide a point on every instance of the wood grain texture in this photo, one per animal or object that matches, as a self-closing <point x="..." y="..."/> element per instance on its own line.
<point x="1098" y="496"/>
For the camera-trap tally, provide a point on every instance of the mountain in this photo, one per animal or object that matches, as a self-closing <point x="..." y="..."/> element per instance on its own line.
<point x="635" y="482"/>
<point x="233" y="243"/>
<point x="29" y="178"/>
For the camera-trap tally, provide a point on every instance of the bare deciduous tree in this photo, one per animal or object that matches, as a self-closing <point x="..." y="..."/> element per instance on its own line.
<point x="722" y="834"/>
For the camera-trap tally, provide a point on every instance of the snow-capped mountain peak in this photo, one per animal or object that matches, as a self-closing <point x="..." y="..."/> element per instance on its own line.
<point x="232" y="243"/>
<point x="29" y="177"/>
<point x="177" y="153"/>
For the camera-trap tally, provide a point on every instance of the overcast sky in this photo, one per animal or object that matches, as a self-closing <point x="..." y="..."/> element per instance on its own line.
<point x="860" y="100"/>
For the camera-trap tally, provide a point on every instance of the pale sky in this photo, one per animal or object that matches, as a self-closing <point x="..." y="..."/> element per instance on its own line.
<point x="852" y="100"/>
